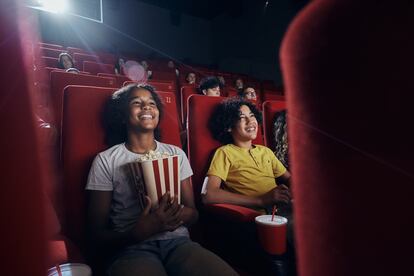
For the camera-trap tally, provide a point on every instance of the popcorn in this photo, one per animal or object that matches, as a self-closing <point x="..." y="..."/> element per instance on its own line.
<point x="152" y="155"/>
<point x="154" y="174"/>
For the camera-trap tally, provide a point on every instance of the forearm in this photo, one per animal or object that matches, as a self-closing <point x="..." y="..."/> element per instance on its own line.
<point x="222" y="196"/>
<point x="140" y="232"/>
<point x="189" y="216"/>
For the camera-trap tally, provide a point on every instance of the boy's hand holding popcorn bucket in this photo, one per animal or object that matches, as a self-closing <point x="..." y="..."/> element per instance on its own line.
<point x="154" y="175"/>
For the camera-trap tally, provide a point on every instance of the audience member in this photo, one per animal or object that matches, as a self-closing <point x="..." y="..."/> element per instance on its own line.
<point x="191" y="78"/>
<point x="238" y="83"/>
<point x="171" y="65"/>
<point x="119" y="66"/>
<point x="222" y="80"/>
<point x="65" y="61"/>
<point x="248" y="93"/>
<point x="148" y="72"/>
<point x="210" y="86"/>
<point x="143" y="240"/>
<point x="281" y="139"/>
<point x="245" y="174"/>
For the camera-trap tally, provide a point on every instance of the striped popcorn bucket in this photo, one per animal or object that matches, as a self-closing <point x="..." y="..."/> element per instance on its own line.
<point x="159" y="176"/>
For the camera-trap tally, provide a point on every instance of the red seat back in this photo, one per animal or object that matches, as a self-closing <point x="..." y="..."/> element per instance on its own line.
<point x="83" y="137"/>
<point x="201" y="144"/>
<point x="186" y="92"/>
<point x="272" y="95"/>
<point x="49" y="62"/>
<point x="59" y="80"/>
<point x="120" y="79"/>
<point x="51" y="46"/>
<point x="352" y="158"/>
<point x="54" y="53"/>
<point x="269" y="110"/>
<point x="79" y="58"/>
<point x="95" y="68"/>
<point x="159" y="85"/>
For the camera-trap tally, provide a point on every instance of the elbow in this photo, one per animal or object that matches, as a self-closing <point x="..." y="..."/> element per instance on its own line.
<point x="207" y="199"/>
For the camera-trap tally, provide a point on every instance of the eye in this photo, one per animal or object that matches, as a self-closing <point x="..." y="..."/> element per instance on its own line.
<point x="252" y="115"/>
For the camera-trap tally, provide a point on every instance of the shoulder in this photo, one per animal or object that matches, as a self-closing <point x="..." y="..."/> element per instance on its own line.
<point x="112" y="151"/>
<point x="264" y="149"/>
<point x="171" y="149"/>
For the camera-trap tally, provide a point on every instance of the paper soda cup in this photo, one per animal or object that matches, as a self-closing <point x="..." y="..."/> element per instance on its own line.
<point x="156" y="177"/>
<point x="272" y="234"/>
<point x="70" y="269"/>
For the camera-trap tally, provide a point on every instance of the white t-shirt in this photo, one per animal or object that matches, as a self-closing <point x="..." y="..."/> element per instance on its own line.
<point x="109" y="172"/>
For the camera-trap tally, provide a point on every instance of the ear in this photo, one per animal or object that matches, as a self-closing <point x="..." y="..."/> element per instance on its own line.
<point x="204" y="91"/>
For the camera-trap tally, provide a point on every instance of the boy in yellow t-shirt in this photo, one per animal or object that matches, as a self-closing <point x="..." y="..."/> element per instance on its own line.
<point x="250" y="174"/>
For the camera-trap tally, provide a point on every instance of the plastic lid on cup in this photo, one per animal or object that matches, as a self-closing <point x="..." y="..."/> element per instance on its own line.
<point x="267" y="219"/>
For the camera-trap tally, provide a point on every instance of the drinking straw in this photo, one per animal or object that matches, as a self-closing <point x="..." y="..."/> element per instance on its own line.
<point x="274" y="210"/>
<point x="58" y="270"/>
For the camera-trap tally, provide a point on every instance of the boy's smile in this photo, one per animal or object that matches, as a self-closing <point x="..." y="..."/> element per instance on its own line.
<point x="245" y="129"/>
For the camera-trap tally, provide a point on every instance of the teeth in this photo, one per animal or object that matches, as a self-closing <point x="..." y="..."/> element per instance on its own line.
<point x="146" y="116"/>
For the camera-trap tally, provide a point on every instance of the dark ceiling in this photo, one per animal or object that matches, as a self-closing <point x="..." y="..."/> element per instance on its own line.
<point x="207" y="9"/>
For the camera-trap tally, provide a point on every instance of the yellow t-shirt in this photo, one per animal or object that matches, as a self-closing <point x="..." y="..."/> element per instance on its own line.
<point x="248" y="172"/>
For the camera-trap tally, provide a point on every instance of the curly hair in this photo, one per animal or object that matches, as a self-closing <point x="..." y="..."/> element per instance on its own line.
<point x="281" y="139"/>
<point x="209" y="82"/>
<point x="116" y="113"/>
<point x="226" y="115"/>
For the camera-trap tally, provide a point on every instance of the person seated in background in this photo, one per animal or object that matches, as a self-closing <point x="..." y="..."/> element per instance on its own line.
<point x="65" y="61"/>
<point x="222" y="80"/>
<point x="142" y="239"/>
<point x="172" y="66"/>
<point x="72" y="70"/>
<point x="119" y="66"/>
<point x="191" y="78"/>
<point x="148" y="72"/>
<point x="210" y="86"/>
<point x="248" y="93"/>
<point x="281" y="140"/>
<point x="238" y="84"/>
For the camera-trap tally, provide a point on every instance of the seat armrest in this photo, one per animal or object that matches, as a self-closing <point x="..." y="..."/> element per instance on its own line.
<point x="232" y="213"/>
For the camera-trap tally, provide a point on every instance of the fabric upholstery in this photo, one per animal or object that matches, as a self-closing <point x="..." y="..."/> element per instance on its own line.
<point x="352" y="157"/>
<point x="95" y="68"/>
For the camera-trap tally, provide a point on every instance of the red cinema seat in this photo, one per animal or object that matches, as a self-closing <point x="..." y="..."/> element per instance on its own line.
<point x="82" y="117"/>
<point x="79" y="58"/>
<point x="46" y="52"/>
<point x="163" y="76"/>
<point x="59" y="80"/>
<point x="120" y="79"/>
<point x="73" y="50"/>
<point x="186" y="92"/>
<point x="106" y="57"/>
<point x="159" y="85"/>
<point x="270" y="108"/>
<point x="272" y="95"/>
<point x="51" y="46"/>
<point x="49" y="62"/>
<point x="352" y="160"/>
<point x="95" y="68"/>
